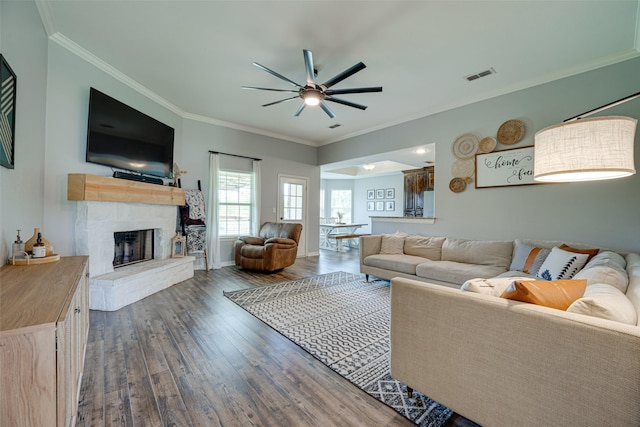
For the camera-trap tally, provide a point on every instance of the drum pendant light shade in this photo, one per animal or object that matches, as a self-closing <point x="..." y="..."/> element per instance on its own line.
<point x="585" y="150"/>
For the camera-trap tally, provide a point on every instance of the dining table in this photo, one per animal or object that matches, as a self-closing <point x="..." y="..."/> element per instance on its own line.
<point x="328" y="233"/>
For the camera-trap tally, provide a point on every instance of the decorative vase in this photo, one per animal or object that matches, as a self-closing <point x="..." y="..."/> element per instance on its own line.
<point x="28" y="246"/>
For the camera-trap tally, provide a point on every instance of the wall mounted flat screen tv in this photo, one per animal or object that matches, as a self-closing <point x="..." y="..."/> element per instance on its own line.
<point x="124" y="138"/>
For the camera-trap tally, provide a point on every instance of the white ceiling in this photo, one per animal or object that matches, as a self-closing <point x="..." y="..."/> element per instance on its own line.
<point x="194" y="56"/>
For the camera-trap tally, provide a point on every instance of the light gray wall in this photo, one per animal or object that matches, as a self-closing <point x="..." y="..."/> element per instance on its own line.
<point x="605" y="213"/>
<point x="23" y="42"/>
<point x="278" y="157"/>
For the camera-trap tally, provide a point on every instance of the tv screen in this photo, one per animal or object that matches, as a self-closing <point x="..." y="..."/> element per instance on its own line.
<point x="122" y="137"/>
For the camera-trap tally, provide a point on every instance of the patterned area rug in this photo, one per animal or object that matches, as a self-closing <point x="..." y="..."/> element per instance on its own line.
<point x="344" y="322"/>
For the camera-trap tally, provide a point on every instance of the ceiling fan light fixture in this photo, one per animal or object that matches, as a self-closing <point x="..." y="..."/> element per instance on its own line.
<point x="311" y="97"/>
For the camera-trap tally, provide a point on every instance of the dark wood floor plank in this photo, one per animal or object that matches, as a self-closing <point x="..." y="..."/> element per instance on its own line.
<point x="91" y="402"/>
<point x="189" y="356"/>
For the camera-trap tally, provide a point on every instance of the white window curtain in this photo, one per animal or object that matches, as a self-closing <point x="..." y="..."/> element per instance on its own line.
<point x="213" y="238"/>
<point x="255" y="198"/>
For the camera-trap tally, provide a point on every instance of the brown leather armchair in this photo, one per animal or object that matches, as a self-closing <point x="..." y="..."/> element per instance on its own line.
<point x="275" y="248"/>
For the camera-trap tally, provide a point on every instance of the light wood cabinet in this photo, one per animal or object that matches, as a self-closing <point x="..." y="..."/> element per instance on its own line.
<point x="416" y="182"/>
<point x="44" y="324"/>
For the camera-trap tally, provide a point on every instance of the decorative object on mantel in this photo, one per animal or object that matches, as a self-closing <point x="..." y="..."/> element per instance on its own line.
<point x="457" y="185"/>
<point x="465" y="146"/>
<point x="178" y="246"/>
<point x="511" y="132"/>
<point x="582" y="149"/>
<point x="177" y="173"/>
<point x="487" y="144"/>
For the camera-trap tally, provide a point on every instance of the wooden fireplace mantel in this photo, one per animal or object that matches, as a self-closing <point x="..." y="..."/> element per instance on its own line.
<point x="106" y="189"/>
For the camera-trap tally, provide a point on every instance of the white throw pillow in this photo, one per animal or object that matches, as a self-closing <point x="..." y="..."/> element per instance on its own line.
<point x="392" y="244"/>
<point x="606" y="302"/>
<point x="528" y="258"/>
<point x="561" y="265"/>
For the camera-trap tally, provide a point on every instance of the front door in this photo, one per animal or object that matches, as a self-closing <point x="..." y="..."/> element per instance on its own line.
<point x="292" y="205"/>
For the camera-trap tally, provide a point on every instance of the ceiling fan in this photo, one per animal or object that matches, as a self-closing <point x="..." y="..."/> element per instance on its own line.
<point x="316" y="94"/>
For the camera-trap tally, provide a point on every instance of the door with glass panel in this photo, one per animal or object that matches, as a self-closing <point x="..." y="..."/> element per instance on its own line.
<point x="292" y="205"/>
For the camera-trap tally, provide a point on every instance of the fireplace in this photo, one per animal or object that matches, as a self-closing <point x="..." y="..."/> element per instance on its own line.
<point x="131" y="247"/>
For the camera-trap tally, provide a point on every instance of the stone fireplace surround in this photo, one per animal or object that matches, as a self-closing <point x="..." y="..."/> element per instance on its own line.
<point x="110" y="290"/>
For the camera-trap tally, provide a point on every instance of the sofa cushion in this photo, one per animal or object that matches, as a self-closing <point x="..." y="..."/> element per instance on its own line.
<point x="528" y="258"/>
<point x="561" y="265"/>
<point x="607" y="302"/>
<point x="392" y="244"/>
<point x="423" y="246"/>
<point x="606" y="267"/>
<point x="400" y="263"/>
<point x="455" y="272"/>
<point x="484" y="252"/>
<point x="559" y="294"/>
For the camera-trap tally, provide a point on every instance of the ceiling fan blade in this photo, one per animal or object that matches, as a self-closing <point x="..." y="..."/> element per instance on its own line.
<point x="343" y="75"/>
<point x="355" y="90"/>
<point x="348" y="103"/>
<point x="282" y="100"/>
<point x="300" y="109"/>
<point x="327" y="110"/>
<point x="267" y="88"/>
<point x="280" y="76"/>
<point x="308" y="65"/>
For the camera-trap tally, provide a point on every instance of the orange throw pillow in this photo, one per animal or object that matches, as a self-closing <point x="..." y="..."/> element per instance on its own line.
<point x="590" y="252"/>
<point x="558" y="294"/>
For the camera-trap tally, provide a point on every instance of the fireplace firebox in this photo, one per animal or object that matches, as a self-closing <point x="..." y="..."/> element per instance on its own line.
<point x="132" y="247"/>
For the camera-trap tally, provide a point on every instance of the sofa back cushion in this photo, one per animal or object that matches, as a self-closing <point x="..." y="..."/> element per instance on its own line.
<point x="424" y="246"/>
<point x="289" y="230"/>
<point x="606" y="267"/>
<point x="528" y="258"/>
<point x="483" y="252"/>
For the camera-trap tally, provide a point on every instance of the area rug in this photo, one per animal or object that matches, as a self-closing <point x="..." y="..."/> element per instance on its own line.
<point x="344" y="322"/>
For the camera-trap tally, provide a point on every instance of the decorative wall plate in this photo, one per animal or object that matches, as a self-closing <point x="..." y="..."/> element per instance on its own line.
<point x="510" y="132"/>
<point x="465" y="146"/>
<point x="457" y="185"/>
<point x="487" y="145"/>
<point x="463" y="168"/>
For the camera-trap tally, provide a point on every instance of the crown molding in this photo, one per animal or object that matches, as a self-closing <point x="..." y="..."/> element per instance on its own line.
<point x="89" y="57"/>
<point x="46" y="15"/>
<point x="236" y="126"/>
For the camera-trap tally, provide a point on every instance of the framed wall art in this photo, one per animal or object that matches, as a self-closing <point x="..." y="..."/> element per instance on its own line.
<point x="380" y="194"/>
<point x="371" y="194"/>
<point x="7" y="114"/>
<point x="371" y="206"/>
<point x="391" y="206"/>
<point x="505" y="168"/>
<point x="380" y="206"/>
<point x="390" y="193"/>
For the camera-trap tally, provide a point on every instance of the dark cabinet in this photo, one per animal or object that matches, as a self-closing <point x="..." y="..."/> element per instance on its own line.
<point x="416" y="182"/>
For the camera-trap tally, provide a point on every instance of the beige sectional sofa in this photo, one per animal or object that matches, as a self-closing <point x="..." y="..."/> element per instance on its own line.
<point x="501" y="362"/>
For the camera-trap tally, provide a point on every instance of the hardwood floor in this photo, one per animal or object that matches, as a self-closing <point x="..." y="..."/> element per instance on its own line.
<point x="187" y="356"/>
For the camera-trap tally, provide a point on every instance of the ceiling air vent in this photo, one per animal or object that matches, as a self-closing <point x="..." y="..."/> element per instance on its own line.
<point x="337" y="125"/>
<point x="476" y="76"/>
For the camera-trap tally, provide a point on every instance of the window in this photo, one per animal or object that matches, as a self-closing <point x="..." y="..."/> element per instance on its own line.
<point x="234" y="207"/>
<point x="341" y="205"/>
